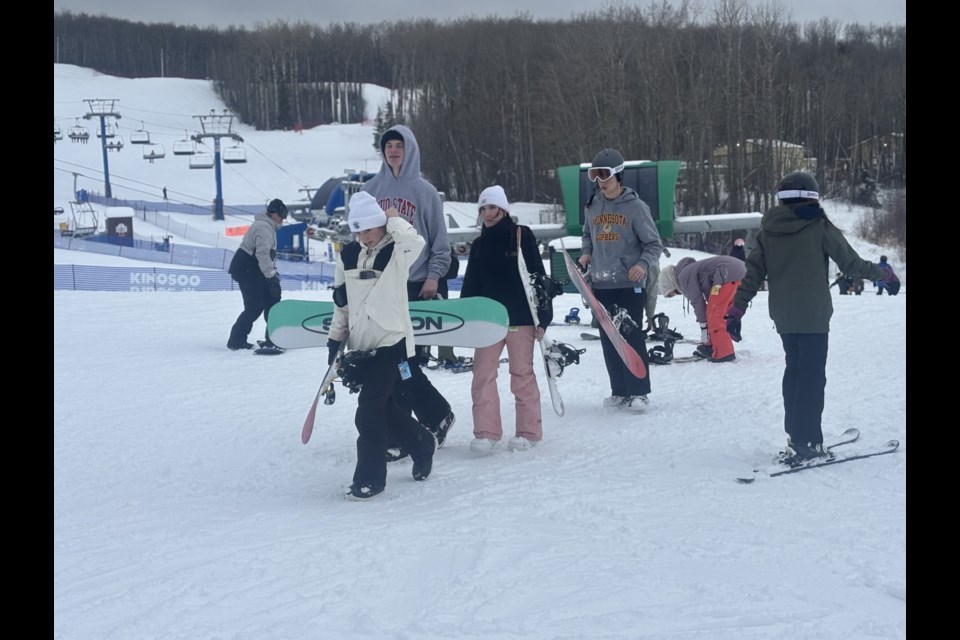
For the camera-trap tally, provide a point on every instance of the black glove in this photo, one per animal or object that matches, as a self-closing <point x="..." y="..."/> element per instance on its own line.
<point x="334" y="347"/>
<point x="733" y="322"/>
<point x="273" y="287"/>
<point x="733" y="328"/>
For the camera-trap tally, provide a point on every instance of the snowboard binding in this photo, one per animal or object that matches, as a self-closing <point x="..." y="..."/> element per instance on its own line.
<point x="353" y="369"/>
<point x="546" y="288"/>
<point x="561" y="356"/>
<point x="661" y="331"/>
<point x="661" y="354"/>
<point x="573" y="317"/>
<point x="462" y="364"/>
<point x="622" y="320"/>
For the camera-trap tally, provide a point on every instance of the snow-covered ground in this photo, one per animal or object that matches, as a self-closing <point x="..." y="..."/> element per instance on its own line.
<point x="186" y="507"/>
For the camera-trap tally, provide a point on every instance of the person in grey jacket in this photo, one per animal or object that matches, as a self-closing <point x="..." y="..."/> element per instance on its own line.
<point x="709" y="285"/>
<point x="620" y="243"/>
<point x="399" y="186"/>
<point x="255" y="272"/>
<point x="793" y="249"/>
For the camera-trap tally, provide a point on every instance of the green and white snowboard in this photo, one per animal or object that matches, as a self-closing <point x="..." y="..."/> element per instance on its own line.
<point x="466" y="322"/>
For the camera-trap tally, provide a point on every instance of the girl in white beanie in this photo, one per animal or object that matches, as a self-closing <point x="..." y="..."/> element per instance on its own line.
<point x="371" y="314"/>
<point x="492" y="272"/>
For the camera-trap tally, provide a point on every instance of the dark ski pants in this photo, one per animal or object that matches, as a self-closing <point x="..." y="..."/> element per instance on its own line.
<point x="380" y="416"/>
<point x="622" y="382"/>
<point x="257" y="299"/>
<point x="804" y="381"/>
<point x="418" y="394"/>
<point x="892" y="288"/>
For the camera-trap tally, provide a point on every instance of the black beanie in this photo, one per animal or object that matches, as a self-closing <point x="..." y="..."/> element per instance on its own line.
<point x="276" y="206"/>
<point x="392" y="134"/>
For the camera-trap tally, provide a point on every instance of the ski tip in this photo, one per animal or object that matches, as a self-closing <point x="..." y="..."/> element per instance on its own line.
<point x="852" y="431"/>
<point x="745" y="480"/>
<point x="893" y="445"/>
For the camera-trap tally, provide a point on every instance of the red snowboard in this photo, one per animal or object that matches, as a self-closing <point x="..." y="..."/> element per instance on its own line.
<point x="627" y="353"/>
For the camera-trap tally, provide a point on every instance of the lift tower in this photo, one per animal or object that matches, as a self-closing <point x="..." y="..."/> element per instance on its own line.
<point x="103" y="108"/>
<point x="217" y="126"/>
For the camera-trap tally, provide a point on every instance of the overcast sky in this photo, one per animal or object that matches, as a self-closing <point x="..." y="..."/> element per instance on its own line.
<point x="222" y="13"/>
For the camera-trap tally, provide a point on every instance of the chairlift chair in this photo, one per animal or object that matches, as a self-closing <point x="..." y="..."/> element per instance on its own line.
<point x="107" y="132"/>
<point x="115" y="144"/>
<point x="234" y="155"/>
<point x="186" y="147"/>
<point x="140" y="136"/>
<point x="83" y="220"/>
<point x="201" y="160"/>
<point x="57" y="133"/>
<point x="78" y="133"/>
<point x="153" y="152"/>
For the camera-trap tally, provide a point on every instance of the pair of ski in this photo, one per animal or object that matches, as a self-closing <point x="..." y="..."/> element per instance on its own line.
<point x="847" y="437"/>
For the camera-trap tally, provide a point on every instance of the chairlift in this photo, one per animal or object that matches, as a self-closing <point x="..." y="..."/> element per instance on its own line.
<point x="57" y="133"/>
<point x="140" y="136"/>
<point x="108" y="132"/>
<point x="115" y="144"/>
<point x="185" y="147"/>
<point x="153" y="152"/>
<point x="201" y="160"/>
<point x="234" y="155"/>
<point x="78" y="133"/>
<point x="83" y="220"/>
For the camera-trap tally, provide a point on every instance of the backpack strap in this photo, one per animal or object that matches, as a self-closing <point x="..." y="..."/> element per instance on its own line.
<point x="350" y="256"/>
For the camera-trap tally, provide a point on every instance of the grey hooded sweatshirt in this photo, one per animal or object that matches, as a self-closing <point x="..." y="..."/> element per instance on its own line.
<point x="619" y="234"/>
<point x="697" y="278"/>
<point x="260" y="241"/>
<point x="418" y="203"/>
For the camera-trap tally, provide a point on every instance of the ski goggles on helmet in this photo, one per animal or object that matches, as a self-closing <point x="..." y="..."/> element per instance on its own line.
<point x="603" y="173"/>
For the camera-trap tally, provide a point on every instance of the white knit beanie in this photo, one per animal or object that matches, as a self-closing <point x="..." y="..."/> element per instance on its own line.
<point x="668" y="280"/>
<point x="494" y="195"/>
<point x="365" y="213"/>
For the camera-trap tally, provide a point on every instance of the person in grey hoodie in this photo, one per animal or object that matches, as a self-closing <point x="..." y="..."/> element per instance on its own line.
<point x="793" y="249"/>
<point x="620" y="243"/>
<point x="399" y="186"/>
<point x="254" y="270"/>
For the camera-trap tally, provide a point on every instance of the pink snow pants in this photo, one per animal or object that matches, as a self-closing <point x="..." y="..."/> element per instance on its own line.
<point x="523" y="384"/>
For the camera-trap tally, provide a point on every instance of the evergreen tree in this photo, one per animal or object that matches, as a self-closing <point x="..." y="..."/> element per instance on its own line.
<point x="384" y="120"/>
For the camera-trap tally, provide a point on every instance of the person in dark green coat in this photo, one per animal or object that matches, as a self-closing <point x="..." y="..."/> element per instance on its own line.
<point x="794" y="246"/>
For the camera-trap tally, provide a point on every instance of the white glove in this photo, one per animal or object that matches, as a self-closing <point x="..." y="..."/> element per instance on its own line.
<point x="704" y="333"/>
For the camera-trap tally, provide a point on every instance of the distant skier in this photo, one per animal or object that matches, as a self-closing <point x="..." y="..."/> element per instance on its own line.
<point x="738" y="250"/>
<point x="890" y="282"/>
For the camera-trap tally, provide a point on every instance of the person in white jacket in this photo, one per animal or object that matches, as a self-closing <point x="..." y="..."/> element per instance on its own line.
<point x="371" y="314"/>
